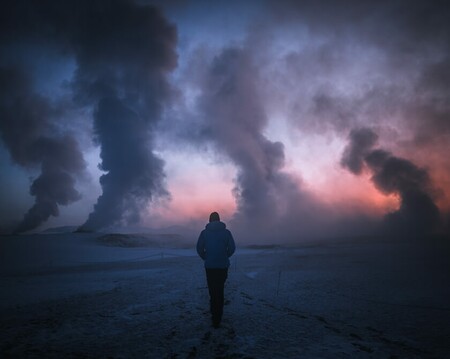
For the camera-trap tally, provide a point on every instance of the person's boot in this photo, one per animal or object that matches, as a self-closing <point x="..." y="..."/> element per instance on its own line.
<point x="216" y="323"/>
<point x="216" y="319"/>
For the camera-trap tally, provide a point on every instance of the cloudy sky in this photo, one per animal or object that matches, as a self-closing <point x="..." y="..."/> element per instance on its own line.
<point x="293" y="119"/>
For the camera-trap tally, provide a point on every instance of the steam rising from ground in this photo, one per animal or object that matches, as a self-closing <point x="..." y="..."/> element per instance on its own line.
<point x="234" y="122"/>
<point x="28" y="128"/>
<point x="136" y="46"/>
<point x="121" y="52"/>
<point x="122" y="70"/>
<point x="321" y="68"/>
<point x="392" y="175"/>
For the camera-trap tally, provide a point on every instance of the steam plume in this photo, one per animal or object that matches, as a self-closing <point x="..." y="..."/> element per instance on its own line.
<point x="28" y="131"/>
<point x="121" y="53"/>
<point x="392" y="175"/>
<point x="267" y="198"/>
<point x="235" y="120"/>
<point x="122" y="73"/>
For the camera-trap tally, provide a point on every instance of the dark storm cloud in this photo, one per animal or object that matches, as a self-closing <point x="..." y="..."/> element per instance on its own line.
<point x="28" y="131"/>
<point x="122" y="53"/>
<point x="392" y="175"/>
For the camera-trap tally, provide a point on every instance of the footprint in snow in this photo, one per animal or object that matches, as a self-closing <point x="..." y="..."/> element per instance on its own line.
<point x="206" y="337"/>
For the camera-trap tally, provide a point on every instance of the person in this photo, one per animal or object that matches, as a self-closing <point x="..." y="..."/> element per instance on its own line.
<point x="215" y="246"/>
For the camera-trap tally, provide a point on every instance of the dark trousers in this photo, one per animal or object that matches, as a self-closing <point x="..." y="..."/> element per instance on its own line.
<point x="216" y="278"/>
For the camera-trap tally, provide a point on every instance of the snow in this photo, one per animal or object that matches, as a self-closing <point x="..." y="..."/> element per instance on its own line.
<point x="80" y="295"/>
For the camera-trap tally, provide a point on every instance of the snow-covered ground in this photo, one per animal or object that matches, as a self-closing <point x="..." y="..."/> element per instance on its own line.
<point x="75" y="295"/>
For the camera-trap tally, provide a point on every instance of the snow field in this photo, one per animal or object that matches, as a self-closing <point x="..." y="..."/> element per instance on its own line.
<point x="79" y="298"/>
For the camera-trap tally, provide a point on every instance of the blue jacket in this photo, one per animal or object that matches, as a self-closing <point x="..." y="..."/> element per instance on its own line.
<point x="215" y="244"/>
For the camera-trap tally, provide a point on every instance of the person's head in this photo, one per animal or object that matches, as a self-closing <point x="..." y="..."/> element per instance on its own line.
<point x="214" y="217"/>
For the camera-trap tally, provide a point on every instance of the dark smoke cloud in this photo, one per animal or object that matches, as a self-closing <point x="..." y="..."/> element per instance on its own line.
<point x="418" y="213"/>
<point x="122" y="52"/>
<point x="28" y="131"/>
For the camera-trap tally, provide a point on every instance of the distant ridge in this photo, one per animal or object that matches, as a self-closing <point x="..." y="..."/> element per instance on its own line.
<point x="144" y="240"/>
<point x="174" y="230"/>
<point x="62" y="229"/>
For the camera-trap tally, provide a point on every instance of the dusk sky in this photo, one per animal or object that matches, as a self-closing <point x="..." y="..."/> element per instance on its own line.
<point x="292" y="119"/>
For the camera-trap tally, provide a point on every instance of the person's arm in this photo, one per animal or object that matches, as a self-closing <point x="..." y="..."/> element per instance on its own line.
<point x="231" y="247"/>
<point x="201" y="246"/>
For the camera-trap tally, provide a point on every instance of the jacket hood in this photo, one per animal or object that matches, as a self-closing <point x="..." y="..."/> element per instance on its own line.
<point x="215" y="226"/>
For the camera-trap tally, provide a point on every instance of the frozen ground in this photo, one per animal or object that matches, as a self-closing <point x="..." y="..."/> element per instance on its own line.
<point x="72" y="295"/>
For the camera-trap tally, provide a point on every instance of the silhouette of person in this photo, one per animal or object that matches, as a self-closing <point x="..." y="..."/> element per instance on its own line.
<point x="215" y="245"/>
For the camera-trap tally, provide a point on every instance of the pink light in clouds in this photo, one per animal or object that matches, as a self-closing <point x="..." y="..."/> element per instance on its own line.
<point x="202" y="184"/>
<point x="198" y="186"/>
<point x="195" y="199"/>
<point x="357" y="196"/>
